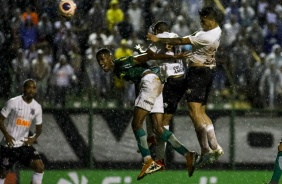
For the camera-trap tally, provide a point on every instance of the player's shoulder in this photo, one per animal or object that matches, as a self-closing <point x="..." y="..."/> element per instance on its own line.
<point x="35" y="103"/>
<point x="15" y="99"/>
<point x="167" y="35"/>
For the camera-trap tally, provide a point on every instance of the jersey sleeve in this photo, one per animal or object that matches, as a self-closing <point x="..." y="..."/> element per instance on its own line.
<point x="38" y="117"/>
<point x="201" y="39"/>
<point x="5" y="111"/>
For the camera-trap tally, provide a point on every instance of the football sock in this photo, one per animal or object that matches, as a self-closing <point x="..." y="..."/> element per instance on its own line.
<point x="160" y="147"/>
<point x="277" y="168"/>
<point x="203" y="138"/>
<point x="2" y="181"/>
<point x="37" y="178"/>
<point x="141" y="139"/>
<point x="170" y="138"/>
<point x="211" y="137"/>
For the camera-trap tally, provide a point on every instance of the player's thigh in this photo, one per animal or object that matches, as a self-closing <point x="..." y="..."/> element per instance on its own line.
<point x="8" y="157"/>
<point x="199" y="82"/>
<point x="173" y="91"/>
<point x="27" y="155"/>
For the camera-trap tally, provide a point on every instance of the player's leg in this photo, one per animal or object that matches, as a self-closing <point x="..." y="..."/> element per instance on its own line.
<point x="7" y="160"/>
<point x="150" y="89"/>
<point x="173" y="91"/>
<point x="38" y="171"/>
<point x="195" y="113"/>
<point x="197" y="81"/>
<point x="29" y="157"/>
<point x="277" y="166"/>
<point x="170" y="138"/>
<point x="212" y="140"/>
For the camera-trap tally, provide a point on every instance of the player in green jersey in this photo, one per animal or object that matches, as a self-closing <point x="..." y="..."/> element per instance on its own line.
<point x="149" y="101"/>
<point x="277" y="171"/>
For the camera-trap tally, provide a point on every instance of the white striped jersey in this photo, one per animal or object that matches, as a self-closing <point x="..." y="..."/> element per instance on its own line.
<point x="19" y="117"/>
<point x="205" y="44"/>
<point x="172" y="67"/>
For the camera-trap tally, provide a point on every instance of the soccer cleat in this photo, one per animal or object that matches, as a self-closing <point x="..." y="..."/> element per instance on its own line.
<point x="206" y="159"/>
<point x="191" y="158"/>
<point x="218" y="152"/>
<point x="148" y="168"/>
<point x="161" y="163"/>
<point x="150" y="141"/>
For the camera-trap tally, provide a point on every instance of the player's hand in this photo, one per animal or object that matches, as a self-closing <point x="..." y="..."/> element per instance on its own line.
<point x="152" y="37"/>
<point x="10" y="140"/>
<point x="29" y="140"/>
<point x="182" y="55"/>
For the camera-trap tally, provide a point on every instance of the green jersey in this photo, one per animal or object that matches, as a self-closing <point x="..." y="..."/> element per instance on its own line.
<point x="127" y="70"/>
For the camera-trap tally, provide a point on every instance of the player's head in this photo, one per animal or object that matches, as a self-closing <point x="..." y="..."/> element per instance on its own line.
<point x="105" y="59"/>
<point x="29" y="89"/>
<point x="209" y="17"/>
<point x="160" y="27"/>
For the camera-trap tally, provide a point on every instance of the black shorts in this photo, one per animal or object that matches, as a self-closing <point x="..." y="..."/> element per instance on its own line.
<point x="199" y="83"/>
<point x="23" y="154"/>
<point x="174" y="89"/>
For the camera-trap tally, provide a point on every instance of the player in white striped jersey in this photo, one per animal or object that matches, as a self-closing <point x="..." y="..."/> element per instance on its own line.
<point x="199" y="79"/>
<point x="173" y="73"/>
<point x="19" y="113"/>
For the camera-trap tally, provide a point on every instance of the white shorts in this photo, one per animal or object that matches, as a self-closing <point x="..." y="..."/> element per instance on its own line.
<point x="150" y="95"/>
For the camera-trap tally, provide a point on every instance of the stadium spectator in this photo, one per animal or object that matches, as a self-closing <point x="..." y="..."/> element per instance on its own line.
<point x="63" y="75"/>
<point x="28" y="34"/>
<point x="114" y="15"/>
<point x="40" y="71"/>
<point x="134" y="13"/>
<point x="180" y="26"/>
<point x="31" y="15"/>
<point x="96" y="11"/>
<point x="125" y="28"/>
<point x="21" y="71"/>
<point x="45" y="29"/>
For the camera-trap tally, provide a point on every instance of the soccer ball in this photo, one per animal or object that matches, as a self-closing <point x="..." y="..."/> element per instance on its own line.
<point x="67" y="8"/>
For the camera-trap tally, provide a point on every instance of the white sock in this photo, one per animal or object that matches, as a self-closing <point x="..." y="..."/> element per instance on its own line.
<point x="166" y="127"/>
<point x="37" y="178"/>
<point x="2" y="181"/>
<point x="201" y="132"/>
<point x="211" y="137"/>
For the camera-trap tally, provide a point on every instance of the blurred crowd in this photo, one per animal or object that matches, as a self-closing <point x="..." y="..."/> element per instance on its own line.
<point x="59" y="53"/>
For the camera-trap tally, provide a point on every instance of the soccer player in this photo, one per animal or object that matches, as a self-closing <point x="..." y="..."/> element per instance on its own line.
<point x="277" y="166"/>
<point x="199" y="79"/>
<point x="148" y="101"/>
<point x="20" y="112"/>
<point x="173" y="73"/>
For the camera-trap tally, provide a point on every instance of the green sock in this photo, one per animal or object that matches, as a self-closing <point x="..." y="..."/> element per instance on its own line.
<point x="277" y="168"/>
<point x="141" y="138"/>
<point x="170" y="138"/>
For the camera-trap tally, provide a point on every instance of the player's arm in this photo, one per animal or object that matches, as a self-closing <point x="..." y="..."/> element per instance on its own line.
<point x="30" y="140"/>
<point x="142" y="58"/>
<point x="172" y="41"/>
<point x="7" y="136"/>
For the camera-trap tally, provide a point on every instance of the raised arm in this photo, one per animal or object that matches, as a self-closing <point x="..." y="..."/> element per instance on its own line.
<point x="142" y="58"/>
<point x="172" y="41"/>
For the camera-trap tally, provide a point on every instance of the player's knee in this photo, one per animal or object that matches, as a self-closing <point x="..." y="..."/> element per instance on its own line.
<point x="38" y="166"/>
